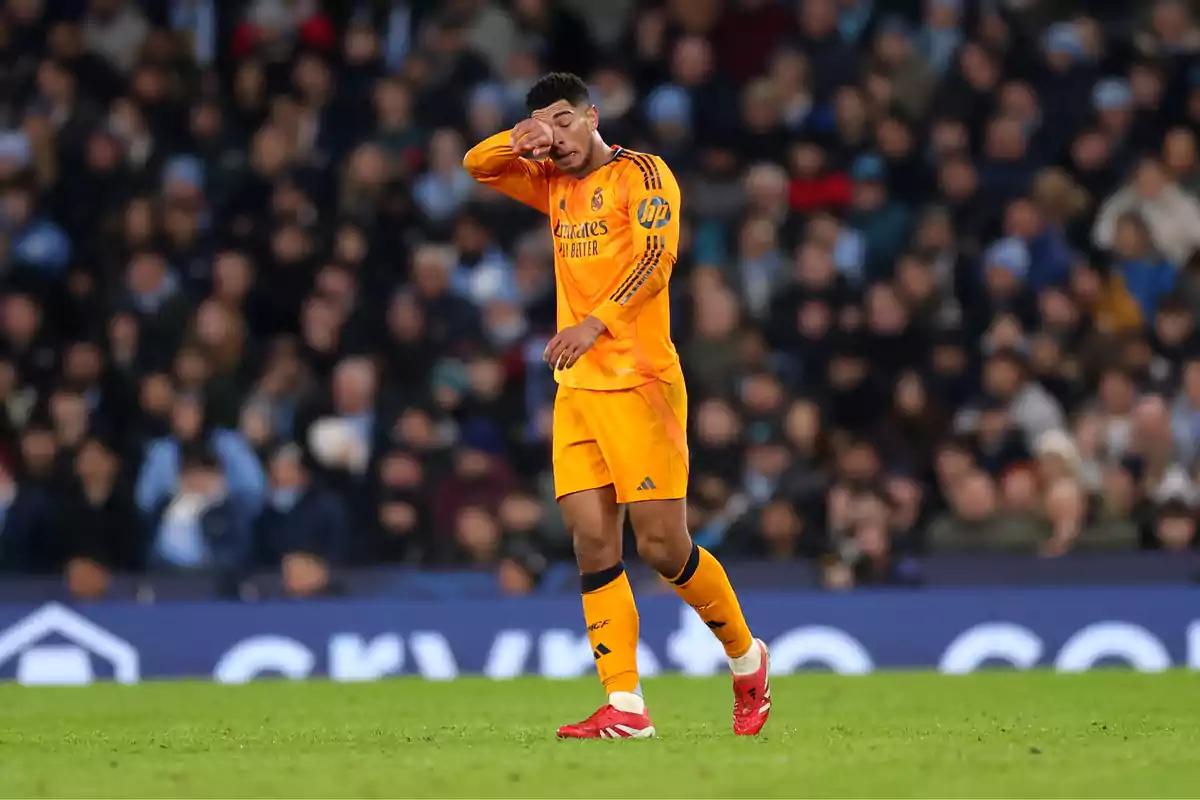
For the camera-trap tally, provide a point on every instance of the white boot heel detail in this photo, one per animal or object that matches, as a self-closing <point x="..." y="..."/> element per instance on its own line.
<point x="620" y="731"/>
<point x="634" y="733"/>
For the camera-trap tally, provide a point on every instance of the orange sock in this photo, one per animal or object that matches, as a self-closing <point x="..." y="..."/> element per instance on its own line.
<point x="612" y="621"/>
<point x="703" y="585"/>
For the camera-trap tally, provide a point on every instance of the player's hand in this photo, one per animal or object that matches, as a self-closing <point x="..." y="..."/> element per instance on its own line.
<point x="571" y="343"/>
<point x="532" y="138"/>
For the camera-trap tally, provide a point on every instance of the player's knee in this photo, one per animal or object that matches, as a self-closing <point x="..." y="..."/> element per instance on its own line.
<point x="664" y="544"/>
<point x="593" y="519"/>
<point x="595" y="548"/>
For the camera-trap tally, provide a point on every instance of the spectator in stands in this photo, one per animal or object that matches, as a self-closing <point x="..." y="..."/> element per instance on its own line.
<point x="37" y="242"/>
<point x="883" y="224"/>
<point x="1122" y="509"/>
<point x="474" y="490"/>
<point x="25" y="540"/>
<point x="98" y="527"/>
<point x="402" y="510"/>
<point x="1185" y="414"/>
<point x="115" y="30"/>
<point x="1180" y="159"/>
<point x="203" y="526"/>
<point x="1153" y="444"/>
<point x="1171" y="215"/>
<point x="303" y="526"/>
<point x="241" y="474"/>
<point x="1146" y="275"/>
<point x="975" y="523"/>
<point x="1063" y="503"/>
<point x="520" y="569"/>
<point x="154" y="294"/>
<point x="1175" y="526"/>
<point x="31" y="345"/>
<point x="41" y="469"/>
<point x="344" y="440"/>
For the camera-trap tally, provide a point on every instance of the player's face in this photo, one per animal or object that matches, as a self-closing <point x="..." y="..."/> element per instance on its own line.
<point x="573" y="128"/>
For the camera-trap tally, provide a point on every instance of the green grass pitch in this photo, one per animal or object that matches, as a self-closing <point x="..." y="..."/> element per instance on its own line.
<point x="1100" y="734"/>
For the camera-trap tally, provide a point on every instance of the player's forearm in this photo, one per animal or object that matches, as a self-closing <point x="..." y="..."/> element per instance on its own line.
<point x="639" y="286"/>
<point x="491" y="157"/>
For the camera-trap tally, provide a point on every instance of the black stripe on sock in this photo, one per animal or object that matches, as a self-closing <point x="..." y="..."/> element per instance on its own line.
<point x="591" y="581"/>
<point x="689" y="569"/>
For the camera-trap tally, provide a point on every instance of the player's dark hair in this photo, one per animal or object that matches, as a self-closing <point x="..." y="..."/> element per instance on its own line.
<point x="557" y="86"/>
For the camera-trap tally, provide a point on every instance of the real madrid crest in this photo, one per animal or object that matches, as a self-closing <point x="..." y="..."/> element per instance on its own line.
<point x="598" y="200"/>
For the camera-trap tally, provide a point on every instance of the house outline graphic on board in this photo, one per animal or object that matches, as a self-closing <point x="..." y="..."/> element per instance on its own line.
<point x="68" y="663"/>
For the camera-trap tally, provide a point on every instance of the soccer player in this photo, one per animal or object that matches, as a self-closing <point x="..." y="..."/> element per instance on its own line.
<point x="620" y="414"/>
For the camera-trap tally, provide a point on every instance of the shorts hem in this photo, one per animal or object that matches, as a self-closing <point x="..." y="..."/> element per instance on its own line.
<point x="560" y="494"/>
<point x="642" y="496"/>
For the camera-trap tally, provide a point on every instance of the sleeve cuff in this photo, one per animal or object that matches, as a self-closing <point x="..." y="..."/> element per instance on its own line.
<point x="609" y="313"/>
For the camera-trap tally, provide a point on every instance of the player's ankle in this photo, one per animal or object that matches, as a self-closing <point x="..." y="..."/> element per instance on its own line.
<point x="629" y="702"/>
<point x="747" y="663"/>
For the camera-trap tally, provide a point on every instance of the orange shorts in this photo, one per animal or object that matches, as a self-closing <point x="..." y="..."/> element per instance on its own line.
<point x="634" y="439"/>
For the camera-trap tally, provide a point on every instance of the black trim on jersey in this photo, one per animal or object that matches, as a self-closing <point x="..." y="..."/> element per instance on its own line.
<point x="652" y="168"/>
<point x="645" y="276"/>
<point x="651" y="179"/>
<point x="655" y="245"/>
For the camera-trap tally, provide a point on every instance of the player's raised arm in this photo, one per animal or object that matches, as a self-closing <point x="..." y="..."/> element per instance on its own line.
<point x="654" y="225"/>
<point x="499" y="162"/>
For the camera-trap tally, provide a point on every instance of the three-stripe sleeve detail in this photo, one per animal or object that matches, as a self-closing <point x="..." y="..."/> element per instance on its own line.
<point x="655" y="247"/>
<point x="651" y="178"/>
<point x="647" y="256"/>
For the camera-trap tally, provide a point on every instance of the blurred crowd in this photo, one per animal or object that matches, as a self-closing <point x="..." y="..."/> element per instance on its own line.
<point x="937" y="290"/>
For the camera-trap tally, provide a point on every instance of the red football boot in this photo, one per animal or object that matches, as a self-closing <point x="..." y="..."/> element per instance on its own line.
<point x="609" y="723"/>
<point x="752" y="697"/>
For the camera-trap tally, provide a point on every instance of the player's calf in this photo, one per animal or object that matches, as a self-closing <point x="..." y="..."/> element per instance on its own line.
<point x="665" y="544"/>
<point x="700" y="580"/>
<point x="595" y="521"/>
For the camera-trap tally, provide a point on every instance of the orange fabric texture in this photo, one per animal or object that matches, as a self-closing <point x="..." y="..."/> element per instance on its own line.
<point x="632" y="438"/>
<point x="711" y="594"/>
<point x="612" y="621"/>
<point x="616" y="238"/>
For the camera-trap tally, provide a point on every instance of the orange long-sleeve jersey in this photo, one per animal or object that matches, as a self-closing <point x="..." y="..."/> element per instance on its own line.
<point x="616" y="238"/>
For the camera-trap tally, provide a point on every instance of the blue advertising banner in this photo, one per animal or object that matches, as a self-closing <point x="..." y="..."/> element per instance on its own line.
<point x="951" y="630"/>
<point x="974" y="570"/>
